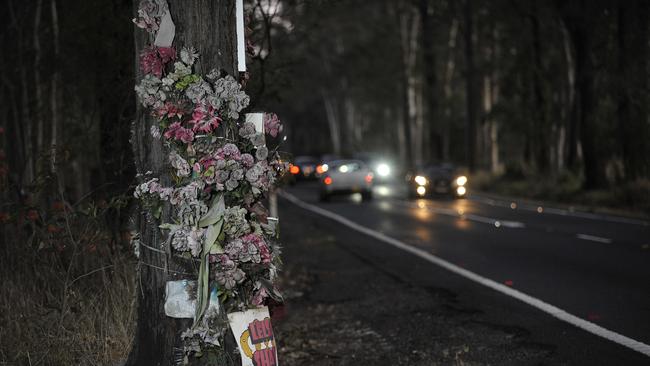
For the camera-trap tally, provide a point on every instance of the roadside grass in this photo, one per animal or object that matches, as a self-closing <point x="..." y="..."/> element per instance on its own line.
<point x="629" y="198"/>
<point x="67" y="289"/>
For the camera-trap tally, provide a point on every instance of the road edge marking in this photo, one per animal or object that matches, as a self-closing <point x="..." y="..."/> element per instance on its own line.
<point x="530" y="300"/>
<point x="595" y="238"/>
<point x="530" y="206"/>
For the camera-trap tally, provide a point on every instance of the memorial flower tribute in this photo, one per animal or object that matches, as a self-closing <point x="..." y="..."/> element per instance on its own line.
<point x="221" y="169"/>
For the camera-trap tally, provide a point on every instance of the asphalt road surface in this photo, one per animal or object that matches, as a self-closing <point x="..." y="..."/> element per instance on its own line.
<point x="594" y="267"/>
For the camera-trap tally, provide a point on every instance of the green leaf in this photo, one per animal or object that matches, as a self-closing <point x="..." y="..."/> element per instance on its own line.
<point x="210" y="245"/>
<point x="215" y="213"/>
<point x="203" y="289"/>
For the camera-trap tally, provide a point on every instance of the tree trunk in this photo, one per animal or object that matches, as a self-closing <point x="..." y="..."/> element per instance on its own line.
<point x="632" y="87"/>
<point x="572" y="116"/>
<point x="450" y="67"/>
<point x="593" y="175"/>
<point x="471" y="92"/>
<point x="55" y="94"/>
<point x="333" y="121"/>
<point x="429" y="69"/>
<point x="540" y="119"/>
<point x="409" y="31"/>
<point x="38" y="88"/>
<point x="209" y="26"/>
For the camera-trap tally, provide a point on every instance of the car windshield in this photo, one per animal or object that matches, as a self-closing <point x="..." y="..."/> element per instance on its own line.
<point x="438" y="171"/>
<point x="347" y="166"/>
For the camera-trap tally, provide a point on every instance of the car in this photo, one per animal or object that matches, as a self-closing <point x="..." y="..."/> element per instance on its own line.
<point x="346" y="177"/>
<point x="436" y="179"/>
<point x="304" y="167"/>
<point x="383" y="168"/>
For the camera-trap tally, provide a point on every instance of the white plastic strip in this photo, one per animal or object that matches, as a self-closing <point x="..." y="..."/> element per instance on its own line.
<point x="532" y="301"/>
<point x="241" y="37"/>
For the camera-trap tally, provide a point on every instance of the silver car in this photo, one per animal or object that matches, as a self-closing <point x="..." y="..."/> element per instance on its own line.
<point x="346" y="177"/>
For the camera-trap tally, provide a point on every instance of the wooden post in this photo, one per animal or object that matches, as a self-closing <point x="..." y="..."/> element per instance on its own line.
<point x="209" y="26"/>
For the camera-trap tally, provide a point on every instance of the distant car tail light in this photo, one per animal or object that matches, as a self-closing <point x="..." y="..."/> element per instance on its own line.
<point x="369" y="178"/>
<point x="327" y="181"/>
<point x="319" y="169"/>
<point x="294" y="169"/>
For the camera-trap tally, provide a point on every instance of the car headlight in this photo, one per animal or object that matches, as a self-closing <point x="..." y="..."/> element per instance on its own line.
<point x="461" y="181"/>
<point x="420" y="180"/>
<point x="383" y="170"/>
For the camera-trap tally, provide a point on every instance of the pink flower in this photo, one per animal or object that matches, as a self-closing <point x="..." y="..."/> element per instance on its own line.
<point x="167" y="54"/>
<point x="178" y="132"/>
<point x="204" y="119"/>
<point x="150" y="62"/>
<point x="258" y="241"/>
<point x="272" y="124"/>
<point x="260" y="296"/>
<point x="168" y="110"/>
<point x="153" y="59"/>
<point x="207" y="162"/>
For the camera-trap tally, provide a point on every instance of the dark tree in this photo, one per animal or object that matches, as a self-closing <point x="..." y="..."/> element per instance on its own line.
<point x="471" y="87"/>
<point x="632" y="88"/>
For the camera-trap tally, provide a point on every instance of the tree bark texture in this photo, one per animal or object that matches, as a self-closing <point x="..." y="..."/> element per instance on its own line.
<point x="471" y="92"/>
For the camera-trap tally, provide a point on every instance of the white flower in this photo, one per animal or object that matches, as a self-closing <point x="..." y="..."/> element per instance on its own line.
<point x="155" y="132"/>
<point x="180" y="70"/>
<point x="189" y="55"/>
<point x="231" y="184"/>
<point x="213" y="74"/>
<point x="188" y="193"/>
<point x="198" y="90"/>
<point x="235" y="224"/>
<point x="257" y="139"/>
<point x="148" y="91"/>
<point x="195" y="241"/>
<point x="182" y="167"/>
<point x="262" y="153"/>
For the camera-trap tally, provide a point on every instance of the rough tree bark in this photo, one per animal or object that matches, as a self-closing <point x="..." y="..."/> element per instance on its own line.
<point x="540" y="119"/>
<point x="577" y="17"/>
<point x="429" y="69"/>
<point x="471" y="92"/>
<point x="410" y="32"/>
<point x="450" y="67"/>
<point x="632" y="93"/>
<point x="209" y="26"/>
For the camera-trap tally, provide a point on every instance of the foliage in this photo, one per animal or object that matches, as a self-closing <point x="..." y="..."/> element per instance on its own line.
<point x="68" y="284"/>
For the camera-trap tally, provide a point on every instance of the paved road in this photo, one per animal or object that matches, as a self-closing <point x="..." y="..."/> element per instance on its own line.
<point x="597" y="268"/>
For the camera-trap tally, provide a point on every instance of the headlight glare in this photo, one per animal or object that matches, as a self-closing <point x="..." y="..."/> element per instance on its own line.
<point x="461" y="181"/>
<point x="420" y="180"/>
<point x="383" y="170"/>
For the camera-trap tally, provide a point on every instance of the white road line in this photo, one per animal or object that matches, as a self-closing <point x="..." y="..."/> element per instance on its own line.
<point x="594" y="238"/>
<point x="532" y="301"/>
<point x="471" y="217"/>
<point x="562" y="212"/>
